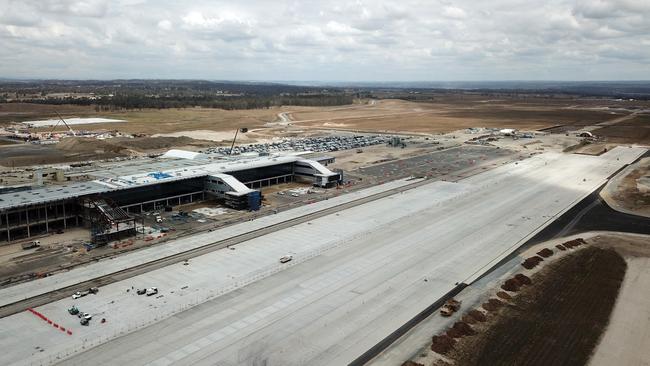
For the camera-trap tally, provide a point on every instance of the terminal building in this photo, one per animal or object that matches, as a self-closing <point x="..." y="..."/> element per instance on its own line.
<point x="109" y="203"/>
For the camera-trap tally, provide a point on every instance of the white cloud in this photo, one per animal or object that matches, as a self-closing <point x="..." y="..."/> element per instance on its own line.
<point x="165" y="24"/>
<point x="454" y="12"/>
<point x="329" y="40"/>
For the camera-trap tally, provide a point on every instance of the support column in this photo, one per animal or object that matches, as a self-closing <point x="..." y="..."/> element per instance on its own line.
<point x="8" y="230"/>
<point x="27" y="218"/>
<point x="191" y="200"/>
<point x="47" y="226"/>
<point x="65" y="225"/>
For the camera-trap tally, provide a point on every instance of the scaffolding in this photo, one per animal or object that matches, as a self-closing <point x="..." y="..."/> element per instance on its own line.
<point x="107" y="220"/>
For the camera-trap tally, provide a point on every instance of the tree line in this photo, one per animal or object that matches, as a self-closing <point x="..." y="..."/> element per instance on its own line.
<point x="140" y="101"/>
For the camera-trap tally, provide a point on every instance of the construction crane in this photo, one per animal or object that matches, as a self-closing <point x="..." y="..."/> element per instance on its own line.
<point x="243" y="130"/>
<point x="64" y="122"/>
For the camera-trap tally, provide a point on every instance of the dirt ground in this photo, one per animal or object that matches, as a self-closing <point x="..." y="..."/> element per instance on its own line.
<point x="554" y="321"/>
<point x="173" y="120"/>
<point x="442" y="113"/>
<point x="194" y="128"/>
<point x="450" y="113"/>
<point x="585" y="302"/>
<point x="28" y="111"/>
<point x="74" y="149"/>
<point x="596" y="148"/>
<point x="633" y="130"/>
<point x="355" y="158"/>
<point x="630" y="192"/>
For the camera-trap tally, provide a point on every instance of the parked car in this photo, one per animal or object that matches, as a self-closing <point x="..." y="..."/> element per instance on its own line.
<point x="141" y="291"/>
<point x="84" y="321"/>
<point x="286" y="258"/>
<point x="152" y="291"/>
<point x="93" y="290"/>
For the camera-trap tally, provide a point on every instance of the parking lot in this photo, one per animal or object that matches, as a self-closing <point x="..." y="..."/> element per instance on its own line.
<point x="317" y="144"/>
<point x="436" y="164"/>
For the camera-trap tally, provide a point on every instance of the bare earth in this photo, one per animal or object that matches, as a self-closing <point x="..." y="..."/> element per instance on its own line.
<point x="443" y="113"/>
<point x="450" y="113"/>
<point x="613" y="332"/>
<point x="630" y="191"/>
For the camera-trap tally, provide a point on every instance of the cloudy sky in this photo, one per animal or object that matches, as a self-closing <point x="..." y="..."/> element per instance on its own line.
<point x="326" y="40"/>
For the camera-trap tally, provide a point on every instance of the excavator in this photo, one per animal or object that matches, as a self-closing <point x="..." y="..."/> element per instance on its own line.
<point x="450" y="307"/>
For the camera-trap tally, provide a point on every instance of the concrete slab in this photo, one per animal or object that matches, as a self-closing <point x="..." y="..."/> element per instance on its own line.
<point x="83" y="273"/>
<point x="356" y="276"/>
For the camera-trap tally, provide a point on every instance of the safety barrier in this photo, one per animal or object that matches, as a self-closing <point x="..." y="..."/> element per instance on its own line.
<point x="50" y="322"/>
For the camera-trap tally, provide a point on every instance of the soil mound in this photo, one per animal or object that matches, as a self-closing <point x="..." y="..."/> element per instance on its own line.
<point x="557" y="321"/>
<point x="158" y="143"/>
<point x="85" y="145"/>
<point x="442" y="344"/>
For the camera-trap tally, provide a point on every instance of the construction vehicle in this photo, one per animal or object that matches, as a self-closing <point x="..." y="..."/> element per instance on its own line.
<point x="31" y="244"/>
<point x="450" y="307"/>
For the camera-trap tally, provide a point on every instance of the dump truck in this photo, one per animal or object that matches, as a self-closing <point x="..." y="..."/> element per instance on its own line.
<point x="450" y="307"/>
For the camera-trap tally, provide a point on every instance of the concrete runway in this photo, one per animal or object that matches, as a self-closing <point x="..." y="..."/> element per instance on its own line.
<point x="357" y="276"/>
<point x="26" y="290"/>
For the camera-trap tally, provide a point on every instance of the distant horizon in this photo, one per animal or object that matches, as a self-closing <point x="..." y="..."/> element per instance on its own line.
<point x="249" y="81"/>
